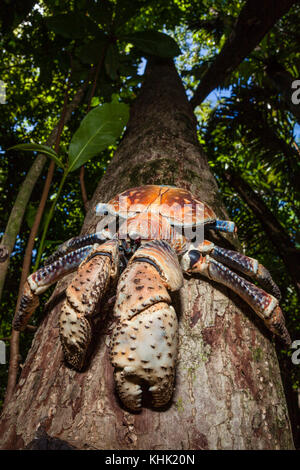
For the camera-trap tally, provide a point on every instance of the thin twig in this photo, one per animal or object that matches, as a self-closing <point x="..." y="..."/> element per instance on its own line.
<point x="83" y="189"/>
<point x="297" y="147"/>
<point x="31" y="328"/>
<point x="13" y="365"/>
<point x="15" y="336"/>
<point x="14" y="341"/>
<point x="81" y="176"/>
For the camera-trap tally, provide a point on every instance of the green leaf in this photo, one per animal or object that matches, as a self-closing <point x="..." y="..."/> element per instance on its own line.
<point x="99" y="129"/>
<point x="101" y="11"/>
<point x="112" y="61"/>
<point x="71" y="25"/>
<point x="91" y="52"/>
<point x="154" y="43"/>
<point x="41" y="149"/>
<point x="95" y="101"/>
<point x="30" y="214"/>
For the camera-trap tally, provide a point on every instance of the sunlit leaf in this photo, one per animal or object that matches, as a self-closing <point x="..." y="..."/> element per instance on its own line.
<point x="154" y="43"/>
<point x="95" y="101"/>
<point x="99" y="129"/>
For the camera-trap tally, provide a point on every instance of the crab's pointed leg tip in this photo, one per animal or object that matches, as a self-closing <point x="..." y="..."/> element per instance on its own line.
<point x="225" y="226"/>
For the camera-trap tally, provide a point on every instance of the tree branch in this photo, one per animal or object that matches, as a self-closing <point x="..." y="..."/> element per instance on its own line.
<point x="15" y="336"/>
<point x="277" y="234"/>
<point x="81" y="175"/>
<point x="255" y="20"/>
<point x="83" y="189"/>
<point x="283" y="80"/>
<point x="17" y="213"/>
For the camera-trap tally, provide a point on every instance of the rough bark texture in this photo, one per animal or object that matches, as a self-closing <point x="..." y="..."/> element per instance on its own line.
<point x="228" y="392"/>
<point x="255" y="20"/>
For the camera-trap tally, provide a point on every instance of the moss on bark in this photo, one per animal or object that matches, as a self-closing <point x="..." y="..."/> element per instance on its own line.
<point x="223" y="398"/>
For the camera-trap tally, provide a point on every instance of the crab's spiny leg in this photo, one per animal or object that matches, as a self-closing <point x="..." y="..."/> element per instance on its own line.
<point x="77" y="242"/>
<point x="82" y="296"/>
<point x="144" y="341"/>
<point x="265" y="305"/>
<point x="223" y="226"/>
<point x="246" y="265"/>
<point x="38" y="282"/>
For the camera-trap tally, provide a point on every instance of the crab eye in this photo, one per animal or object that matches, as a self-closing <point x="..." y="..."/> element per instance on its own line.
<point x="194" y="256"/>
<point x="134" y="235"/>
<point x="101" y="209"/>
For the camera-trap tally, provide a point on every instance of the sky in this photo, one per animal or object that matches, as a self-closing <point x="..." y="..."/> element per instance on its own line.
<point x="216" y="95"/>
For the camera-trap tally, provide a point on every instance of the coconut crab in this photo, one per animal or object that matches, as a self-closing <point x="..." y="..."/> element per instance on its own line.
<point x="153" y="242"/>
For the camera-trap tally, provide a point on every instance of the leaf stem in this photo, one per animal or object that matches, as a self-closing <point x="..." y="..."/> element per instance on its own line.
<point x="48" y="219"/>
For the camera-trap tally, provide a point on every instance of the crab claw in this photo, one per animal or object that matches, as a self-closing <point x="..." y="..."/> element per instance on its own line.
<point x="144" y="341"/>
<point x="75" y="334"/>
<point x="83" y="295"/>
<point x="143" y="352"/>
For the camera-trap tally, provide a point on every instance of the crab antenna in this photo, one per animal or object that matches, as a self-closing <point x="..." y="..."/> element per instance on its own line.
<point x="224" y="226"/>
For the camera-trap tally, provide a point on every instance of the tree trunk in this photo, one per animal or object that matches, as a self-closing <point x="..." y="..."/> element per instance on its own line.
<point x="228" y="391"/>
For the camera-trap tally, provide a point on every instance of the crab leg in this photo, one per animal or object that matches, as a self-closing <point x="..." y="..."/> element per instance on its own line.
<point x="77" y="242"/>
<point x="265" y="305"/>
<point x="41" y="280"/>
<point x="246" y="265"/>
<point x="224" y="226"/>
<point x="144" y="340"/>
<point x="91" y="282"/>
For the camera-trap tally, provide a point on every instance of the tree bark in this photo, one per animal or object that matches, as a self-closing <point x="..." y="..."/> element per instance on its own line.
<point x="255" y="20"/>
<point x="274" y="230"/>
<point x="228" y="391"/>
